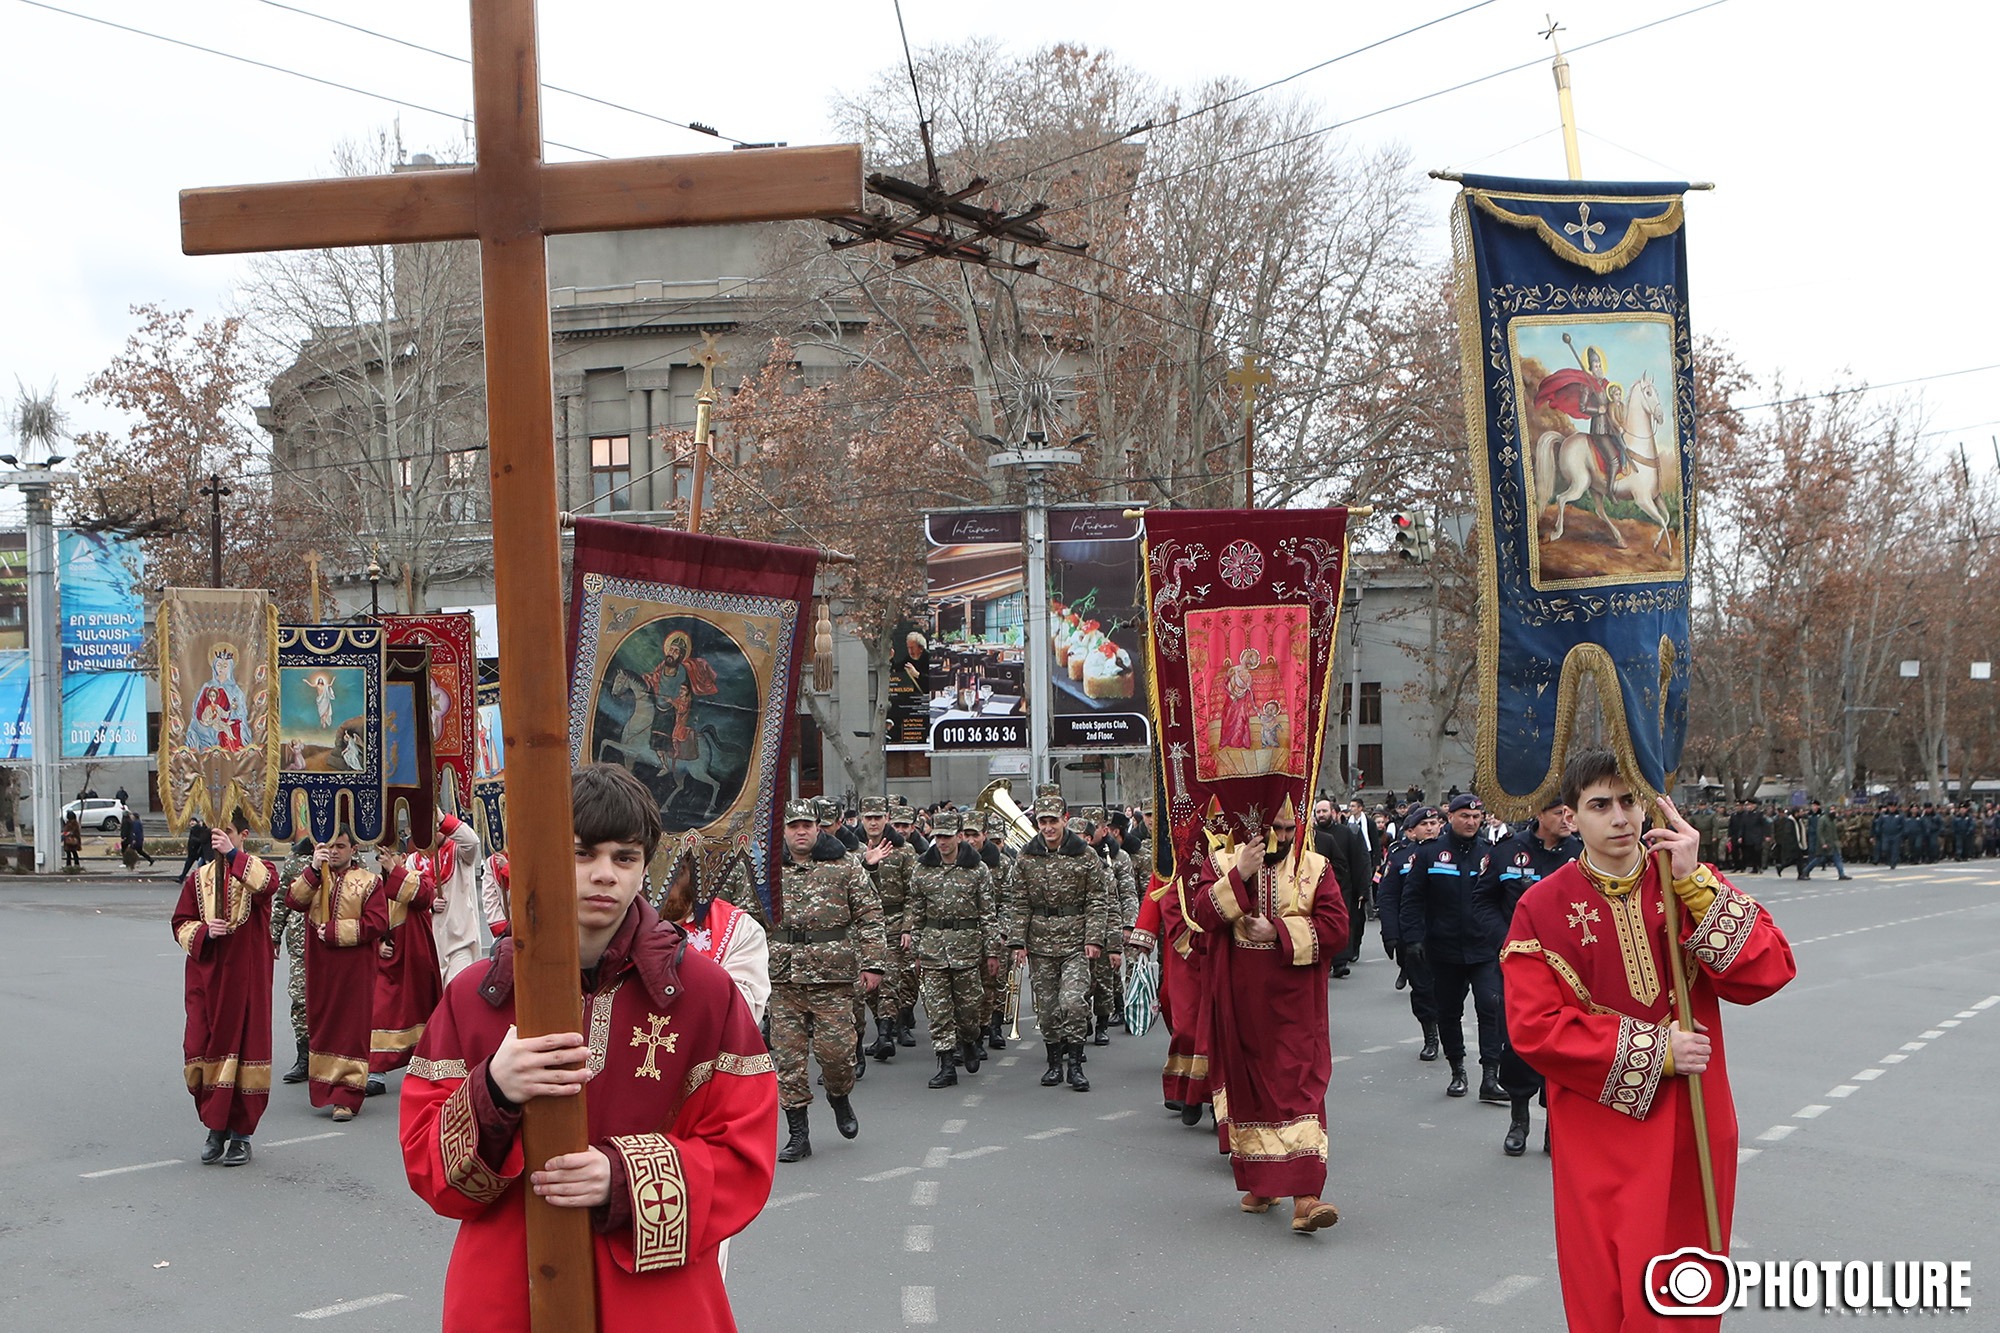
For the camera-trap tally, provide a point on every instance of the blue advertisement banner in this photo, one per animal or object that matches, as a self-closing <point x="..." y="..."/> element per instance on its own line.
<point x="103" y="612"/>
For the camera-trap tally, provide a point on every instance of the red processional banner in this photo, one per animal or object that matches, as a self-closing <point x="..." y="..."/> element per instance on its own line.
<point x="1244" y="605"/>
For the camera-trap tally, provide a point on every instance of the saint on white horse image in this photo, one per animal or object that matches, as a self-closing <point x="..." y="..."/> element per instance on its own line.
<point x="1568" y="469"/>
<point x="637" y="741"/>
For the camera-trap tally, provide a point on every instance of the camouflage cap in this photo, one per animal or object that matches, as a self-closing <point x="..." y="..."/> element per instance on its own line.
<point x="1048" y="789"/>
<point x="1048" y="805"/>
<point x="874" y="805"/>
<point x="825" y="810"/>
<point x="945" y="821"/>
<point x="901" y="811"/>
<point x="1093" y="815"/>
<point x="1079" y="826"/>
<point x="997" y="826"/>
<point x="798" y="810"/>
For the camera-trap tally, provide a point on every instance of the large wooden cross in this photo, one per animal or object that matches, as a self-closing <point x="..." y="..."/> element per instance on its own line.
<point x="509" y="201"/>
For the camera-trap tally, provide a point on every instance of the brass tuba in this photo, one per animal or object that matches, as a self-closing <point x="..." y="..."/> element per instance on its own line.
<point x="997" y="798"/>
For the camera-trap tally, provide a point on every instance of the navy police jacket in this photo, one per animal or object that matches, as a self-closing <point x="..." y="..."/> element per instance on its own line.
<point x="1437" y="900"/>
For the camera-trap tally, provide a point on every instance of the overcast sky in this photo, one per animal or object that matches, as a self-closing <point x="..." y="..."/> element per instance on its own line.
<point x="1849" y="235"/>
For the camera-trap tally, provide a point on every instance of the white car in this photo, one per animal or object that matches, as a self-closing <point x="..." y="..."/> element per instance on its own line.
<point x="106" y="815"/>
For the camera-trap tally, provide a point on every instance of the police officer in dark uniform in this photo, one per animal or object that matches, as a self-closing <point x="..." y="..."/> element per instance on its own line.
<point x="1438" y="927"/>
<point x="1547" y="844"/>
<point x="1420" y="825"/>
<point x="1891" y="837"/>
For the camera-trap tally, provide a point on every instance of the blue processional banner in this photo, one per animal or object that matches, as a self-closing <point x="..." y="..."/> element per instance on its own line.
<point x="330" y="712"/>
<point x="1579" y="403"/>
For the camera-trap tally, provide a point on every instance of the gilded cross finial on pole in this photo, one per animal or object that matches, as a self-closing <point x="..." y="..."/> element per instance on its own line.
<point x="1248" y="378"/>
<point x="1568" y="107"/>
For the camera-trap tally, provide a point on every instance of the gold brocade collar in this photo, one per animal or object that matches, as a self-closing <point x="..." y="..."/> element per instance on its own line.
<point x="1612" y="886"/>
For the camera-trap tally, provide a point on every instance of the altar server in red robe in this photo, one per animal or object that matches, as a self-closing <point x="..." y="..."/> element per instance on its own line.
<point x="1183" y="994"/>
<point x="1590" y="1004"/>
<point x="223" y="924"/>
<point x="346" y="914"/>
<point x="407" y="981"/>
<point x="1276" y="921"/>
<point x="682" y="1107"/>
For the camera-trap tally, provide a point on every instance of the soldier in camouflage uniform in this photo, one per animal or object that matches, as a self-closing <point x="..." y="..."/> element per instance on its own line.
<point x="1107" y="987"/>
<point x="288" y="927"/>
<point x="983" y="834"/>
<point x="889" y="861"/>
<point x="1057" y="912"/>
<point x="832" y="933"/>
<point x="827" y="812"/>
<point x="950" y="920"/>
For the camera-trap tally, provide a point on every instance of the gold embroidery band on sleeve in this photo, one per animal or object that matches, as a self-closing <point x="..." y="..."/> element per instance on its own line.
<point x="1223" y="899"/>
<point x="1304" y="1137"/>
<point x="1725" y="930"/>
<point x="185" y="936"/>
<point x="743" y="1066"/>
<point x="437" y="1071"/>
<point x="458" y="1144"/>
<point x="347" y="934"/>
<point x="659" y="1201"/>
<point x="1557" y="964"/>
<point x="1636" y="1068"/>
<point x="1303" y="938"/>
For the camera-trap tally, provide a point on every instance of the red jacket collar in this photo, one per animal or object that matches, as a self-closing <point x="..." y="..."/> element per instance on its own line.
<point x="643" y="944"/>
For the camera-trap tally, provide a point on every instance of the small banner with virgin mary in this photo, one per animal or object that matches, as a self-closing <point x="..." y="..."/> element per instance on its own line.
<point x="1579" y="407"/>
<point x="1244" y="607"/>
<point x="218" y="706"/>
<point x="684" y="669"/>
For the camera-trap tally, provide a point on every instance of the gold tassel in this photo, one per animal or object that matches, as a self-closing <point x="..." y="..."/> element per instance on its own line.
<point x="823" y="650"/>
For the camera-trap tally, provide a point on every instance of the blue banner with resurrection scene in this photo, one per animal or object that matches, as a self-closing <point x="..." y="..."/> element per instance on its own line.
<point x="1579" y="401"/>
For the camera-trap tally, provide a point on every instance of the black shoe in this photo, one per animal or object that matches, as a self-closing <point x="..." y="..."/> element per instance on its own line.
<point x="1430" y="1050"/>
<point x="1545" y="1140"/>
<point x="843" y="1117"/>
<point x="1489" y="1084"/>
<point x="1173" y="1108"/>
<point x="1342" y="970"/>
<point x="1074" y="1071"/>
<point x="1100" y="1035"/>
<point x="1054" y="1073"/>
<point x="947" y="1072"/>
<point x="860" y="1062"/>
<point x="996" y="1033"/>
<point x="884" y="1045"/>
<point x="211" y="1152"/>
<point x="1402" y="979"/>
<point x="301" y="1071"/>
<point x="906" y="1027"/>
<point x="799" y="1145"/>
<point x="1191" y="1113"/>
<point x="1516" y="1141"/>
<point x="970" y="1053"/>
<point x="1457" y="1086"/>
<point x="237" y="1153"/>
<point x="376" y="1087"/>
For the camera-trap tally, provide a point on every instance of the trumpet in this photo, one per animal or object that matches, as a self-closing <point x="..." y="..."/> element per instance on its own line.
<point x="1014" y="1003"/>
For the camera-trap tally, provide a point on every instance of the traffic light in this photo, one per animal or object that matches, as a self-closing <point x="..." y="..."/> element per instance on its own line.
<point x="1412" y="536"/>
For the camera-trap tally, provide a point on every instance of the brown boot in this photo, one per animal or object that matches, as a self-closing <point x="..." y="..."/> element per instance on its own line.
<point x="1311" y="1213"/>
<point x="1255" y="1203"/>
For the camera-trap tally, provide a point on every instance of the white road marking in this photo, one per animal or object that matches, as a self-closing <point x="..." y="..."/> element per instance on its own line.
<point x="1506" y="1289"/>
<point x="936" y="1157"/>
<point x="1914" y="1045"/>
<point x="1338" y="1058"/>
<point x="1376" y="1050"/>
<point x="1948" y="1022"/>
<point x="1743" y="1155"/>
<point x="1812" y="1112"/>
<point x="1009" y="1061"/>
<point x="1409" y="1041"/>
<point x="917" y="1240"/>
<point x="349" y="1307"/>
<point x="309" y="1138"/>
<point x="1117" y="1115"/>
<point x="972" y="1099"/>
<point x="923" y="1194"/>
<point x="791" y="1199"/>
<point x="1966" y="1013"/>
<point x="891" y="1174"/>
<point x="920" y="1305"/>
<point x="1776" y="1132"/>
<point x="1053" y="1133"/>
<point x="970" y="1153"/>
<point x="1884" y="925"/>
<point x="1869" y="1075"/>
<point x="1932" y="1035"/>
<point x="1844" y="1090"/>
<point x="952" y="1127"/>
<point x="1892" y="1059"/>
<point x="1986" y="1003"/>
<point x="121" y="1170"/>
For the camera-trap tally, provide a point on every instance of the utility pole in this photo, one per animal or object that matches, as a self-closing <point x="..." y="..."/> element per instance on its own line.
<point x="215" y="490"/>
<point x="1561" y="70"/>
<point x="44" y="675"/>
<point x="1037" y="458"/>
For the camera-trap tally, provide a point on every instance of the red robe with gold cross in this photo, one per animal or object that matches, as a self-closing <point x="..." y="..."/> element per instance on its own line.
<point x="408" y="983"/>
<point x="1270" y="1051"/>
<point x="345" y="916"/>
<point x="226" y="1049"/>
<point x="684" y="1103"/>
<point x="1590" y="998"/>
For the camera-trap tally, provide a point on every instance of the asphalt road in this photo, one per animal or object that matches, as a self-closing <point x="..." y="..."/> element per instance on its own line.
<point x="1865" y="1090"/>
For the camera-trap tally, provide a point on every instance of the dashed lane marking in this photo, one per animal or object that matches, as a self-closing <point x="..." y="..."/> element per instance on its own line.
<point x="1949" y="1022"/>
<point x="1506" y="1289"/>
<point x="1869" y="1075"/>
<point x="972" y="1099"/>
<point x="924" y="1194"/>
<point x="1117" y="1115"/>
<point x="791" y="1199"/>
<point x="936" y="1158"/>
<point x="1986" y="1003"/>
<point x="1884" y="925"/>
<point x="1053" y="1133"/>
<point x="1893" y="1059"/>
<point x="1338" y="1058"/>
<point x="1376" y="1050"/>
<point x="1844" y="1090"/>
<point x="1813" y="1112"/>
<point x="1933" y="1034"/>
<point x="1409" y="1041"/>
<point x="308" y="1138"/>
<point x="1777" y="1132"/>
<point x="920" y="1305"/>
<point x="918" y="1240"/>
<point x="1009" y="1061"/>
<point x="123" y="1170"/>
<point x="892" y="1173"/>
<point x="952" y="1127"/>
<point x="1743" y="1155"/>
<point x="1914" y="1045"/>
<point x="971" y="1153"/>
<point x="349" y="1307"/>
